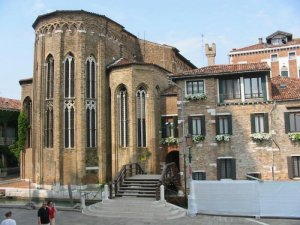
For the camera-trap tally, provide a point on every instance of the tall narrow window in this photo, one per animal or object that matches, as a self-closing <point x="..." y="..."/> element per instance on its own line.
<point x="49" y="77"/>
<point x="49" y="125"/>
<point x="196" y="125"/>
<point x="259" y="123"/>
<point x="141" y="116"/>
<point x="69" y="76"/>
<point x="123" y="116"/>
<point x="91" y="114"/>
<point x="69" y="124"/>
<point x="226" y="168"/>
<point x="284" y="71"/>
<point x="90" y="78"/>
<point x="224" y="124"/>
<point x="27" y="107"/>
<point x="253" y="87"/>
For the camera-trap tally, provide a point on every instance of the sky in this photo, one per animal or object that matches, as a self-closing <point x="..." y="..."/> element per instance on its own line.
<point x="184" y="24"/>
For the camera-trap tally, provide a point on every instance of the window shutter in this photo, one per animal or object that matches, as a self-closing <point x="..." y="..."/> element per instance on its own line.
<point x="233" y="169"/>
<point x="175" y="120"/>
<point x="190" y="124"/>
<point x="204" y="175"/>
<point x="203" y="125"/>
<point x="264" y="87"/>
<point x="230" y="124"/>
<point x="266" y="123"/>
<point x="290" y="167"/>
<point x="287" y="122"/>
<point x="163" y="127"/>
<point x="252" y="119"/>
<point x="217" y="125"/>
<point x="219" y="163"/>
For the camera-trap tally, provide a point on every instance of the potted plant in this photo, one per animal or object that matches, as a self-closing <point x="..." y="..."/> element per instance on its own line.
<point x="294" y="136"/>
<point x="222" y="138"/>
<point x="260" y="137"/>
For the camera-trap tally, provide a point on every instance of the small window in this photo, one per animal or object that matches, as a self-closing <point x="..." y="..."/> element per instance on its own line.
<point x="284" y="71"/>
<point x="294" y="166"/>
<point x="224" y="124"/>
<point x="199" y="175"/>
<point x="254" y="174"/>
<point x="292" y="55"/>
<point x="274" y="58"/>
<point x="253" y="87"/>
<point x="229" y="89"/>
<point x="197" y="125"/>
<point x="259" y="123"/>
<point x="195" y="87"/>
<point x="292" y="122"/>
<point x="169" y="126"/>
<point x="226" y="168"/>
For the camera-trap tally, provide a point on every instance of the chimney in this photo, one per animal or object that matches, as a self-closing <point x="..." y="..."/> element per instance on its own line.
<point x="260" y="40"/>
<point x="210" y="53"/>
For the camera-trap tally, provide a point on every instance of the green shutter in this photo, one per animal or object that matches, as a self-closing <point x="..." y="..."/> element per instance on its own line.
<point x="190" y="124"/>
<point x="203" y="125"/>
<point x="163" y="128"/>
<point x="219" y="163"/>
<point x="230" y="124"/>
<point x="233" y="169"/>
<point x="264" y="87"/>
<point x="290" y="167"/>
<point x="252" y="120"/>
<point x="217" y="125"/>
<point x="175" y="120"/>
<point x="287" y="122"/>
<point x="266" y="123"/>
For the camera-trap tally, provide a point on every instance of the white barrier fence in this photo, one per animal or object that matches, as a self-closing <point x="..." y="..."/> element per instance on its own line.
<point x="245" y="198"/>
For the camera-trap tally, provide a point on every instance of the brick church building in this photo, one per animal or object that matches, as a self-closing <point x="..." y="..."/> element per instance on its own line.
<point x="101" y="98"/>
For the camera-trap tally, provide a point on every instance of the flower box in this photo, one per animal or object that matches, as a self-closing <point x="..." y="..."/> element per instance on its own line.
<point x="195" y="97"/>
<point x="294" y="136"/>
<point x="169" y="141"/>
<point x="261" y="137"/>
<point x="222" y="138"/>
<point x="198" y="138"/>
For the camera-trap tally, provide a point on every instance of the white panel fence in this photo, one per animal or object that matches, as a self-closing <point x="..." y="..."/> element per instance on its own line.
<point x="245" y="198"/>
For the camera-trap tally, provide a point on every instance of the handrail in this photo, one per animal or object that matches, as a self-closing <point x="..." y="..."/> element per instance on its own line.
<point x="126" y="170"/>
<point x="170" y="174"/>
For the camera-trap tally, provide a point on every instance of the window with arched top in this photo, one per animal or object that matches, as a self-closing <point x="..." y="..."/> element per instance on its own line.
<point x="69" y="76"/>
<point x="122" y="105"/>
<point x="90" y="78"/>
<point x="27" y="107"/>
<point x="69" y="124"/>
<point x="141" y="116"/>
<point x="284" y="71"/>
<point x="49" y="125"/>
<point x="91" y="124"/>
<point x="49" y="77"/>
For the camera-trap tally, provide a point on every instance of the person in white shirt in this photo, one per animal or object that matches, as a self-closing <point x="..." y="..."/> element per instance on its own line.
<point x="8" y="220"/>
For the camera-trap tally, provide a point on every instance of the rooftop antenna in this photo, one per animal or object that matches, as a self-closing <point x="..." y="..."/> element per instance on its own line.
<point x="202" y="48"/>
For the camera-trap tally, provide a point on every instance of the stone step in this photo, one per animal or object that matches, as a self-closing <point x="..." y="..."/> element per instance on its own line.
<point x="137" y="188"/>
<point x="139" y="182"/>
<point x="138" y="185"/>
<point x="147" y="195"/>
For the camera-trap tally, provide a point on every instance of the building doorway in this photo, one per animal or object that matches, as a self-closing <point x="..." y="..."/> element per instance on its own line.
<point x="173" y="156"/>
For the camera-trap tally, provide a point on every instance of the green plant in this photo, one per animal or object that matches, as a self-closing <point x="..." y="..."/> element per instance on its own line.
<point x="22" y="129"/>
<point x="144" y="154"/>
<point x="169" y="141"/>
<point x="198" y="138"/>
<point x="261" y="137"/>
<point x="222" y="138"/>
<point x="195" y="97"/>
<point x="294" y="136"/>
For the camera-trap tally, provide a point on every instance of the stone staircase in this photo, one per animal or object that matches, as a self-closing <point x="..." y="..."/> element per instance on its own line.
<point x="133" y="207"/>
<point x="139" y="186"/>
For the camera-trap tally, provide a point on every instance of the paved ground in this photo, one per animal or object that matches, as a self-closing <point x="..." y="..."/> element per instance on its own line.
<point x="28" y="217"/>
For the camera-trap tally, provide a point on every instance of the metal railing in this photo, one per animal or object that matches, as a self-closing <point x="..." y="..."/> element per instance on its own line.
<point x="169" y="175"/>
<point x="127" y="170"/>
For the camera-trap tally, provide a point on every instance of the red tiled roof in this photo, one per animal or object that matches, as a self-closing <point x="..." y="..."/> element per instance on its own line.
<point x="10" y="104"/>
<point x="226" y="69"/>
<point x="285" y="88"/>
<point x="265" y="45"/>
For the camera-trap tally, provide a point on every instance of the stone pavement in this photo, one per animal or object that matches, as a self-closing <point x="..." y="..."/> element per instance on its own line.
<point x="29" y="217"/>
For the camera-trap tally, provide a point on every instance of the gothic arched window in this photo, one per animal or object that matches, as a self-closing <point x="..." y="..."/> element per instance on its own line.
<point x="69" y="76"/>
<point x="123" y="116"/>
<point x="49" y="125"/>
<point x="90" y="78"/>
<point x="49" y="77"/>
<point x="91" y="123"/>
<point x="141" y="116"/>
<point x="27" y="107"/>
<point x="69" y="125"/>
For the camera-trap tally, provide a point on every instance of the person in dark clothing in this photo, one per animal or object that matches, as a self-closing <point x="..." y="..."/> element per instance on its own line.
<point x="43" y="215"/>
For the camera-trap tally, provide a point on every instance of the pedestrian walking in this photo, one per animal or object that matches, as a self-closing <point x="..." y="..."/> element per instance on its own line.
<point x="52" y="212"/>
<point x="8" y="220"/>
<point x="43" y="215"/>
